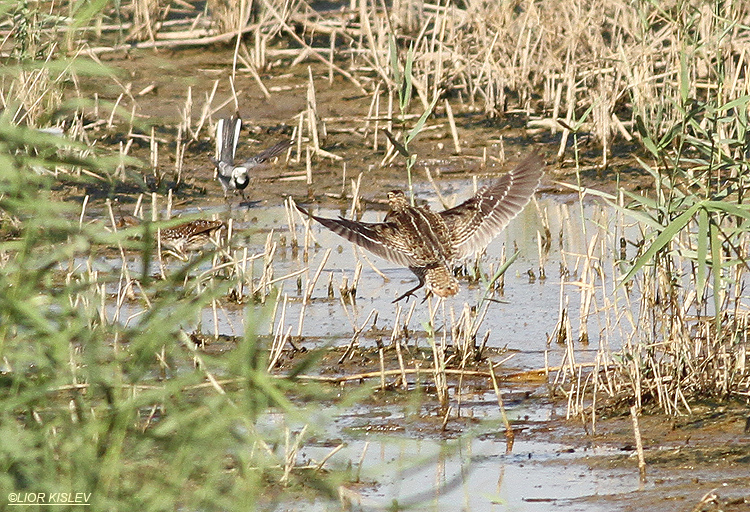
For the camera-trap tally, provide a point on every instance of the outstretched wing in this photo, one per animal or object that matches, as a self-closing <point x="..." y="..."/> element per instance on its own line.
<point x="476" y="221"/>
<point x="268" y="153"/>
<point x="381" y="238"/>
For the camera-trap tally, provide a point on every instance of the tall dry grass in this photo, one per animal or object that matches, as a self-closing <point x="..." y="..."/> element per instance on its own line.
<point x="673" y="77"/>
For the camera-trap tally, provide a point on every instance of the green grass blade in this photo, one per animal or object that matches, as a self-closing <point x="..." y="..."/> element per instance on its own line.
<point x="503" y="268"/>
<point x="667" y="235"/>
<point x="716" y="268"/>
<point x="738" y="210"/>
<point x="702" y="253"/>
<point x="408" y="78"/>
<point x="420" y="124"/>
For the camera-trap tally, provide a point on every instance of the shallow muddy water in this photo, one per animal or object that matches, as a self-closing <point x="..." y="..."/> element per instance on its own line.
<point x="402" y="451"/>
<point x="466" y="465"/>
<point x="470" y="467"/>
<point x="521" y="318"/>
<point x="402" y="454"/>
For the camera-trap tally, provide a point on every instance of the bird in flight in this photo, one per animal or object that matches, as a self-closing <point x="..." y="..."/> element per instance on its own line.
<point x="430" y="243"/>
<point x="235" y="177"/>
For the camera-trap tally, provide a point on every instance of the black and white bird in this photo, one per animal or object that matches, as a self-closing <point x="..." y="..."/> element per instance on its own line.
<point x="235" y="177"/>
<point x="431" y="243"/>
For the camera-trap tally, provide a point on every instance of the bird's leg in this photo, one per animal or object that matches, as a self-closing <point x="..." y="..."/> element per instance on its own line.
<point x="243" y="201"/>
<point x="408" y="293"/>
<point x="420" y="275"/>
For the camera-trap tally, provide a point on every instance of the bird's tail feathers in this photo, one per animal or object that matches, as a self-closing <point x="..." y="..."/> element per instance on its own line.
<point x="227" y="137"/>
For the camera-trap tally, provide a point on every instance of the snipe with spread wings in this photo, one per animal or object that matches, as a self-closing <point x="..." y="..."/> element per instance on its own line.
<point x="431" y="243"/>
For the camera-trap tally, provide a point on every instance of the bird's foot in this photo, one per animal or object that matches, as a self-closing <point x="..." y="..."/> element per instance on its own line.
<point x="410" y="293"/>
<point x="406" y="296"/>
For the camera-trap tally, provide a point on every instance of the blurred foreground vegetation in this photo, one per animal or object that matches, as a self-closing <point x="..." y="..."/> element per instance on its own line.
<point x="91" y="401"/>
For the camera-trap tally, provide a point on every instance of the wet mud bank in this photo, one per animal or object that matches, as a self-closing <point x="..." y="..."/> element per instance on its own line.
<point x="444" y="434"/>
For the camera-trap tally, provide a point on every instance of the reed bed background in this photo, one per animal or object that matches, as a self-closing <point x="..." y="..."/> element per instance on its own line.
<point x="95" y="395"/>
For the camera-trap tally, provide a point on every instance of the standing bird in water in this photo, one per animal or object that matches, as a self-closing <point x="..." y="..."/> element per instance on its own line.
<point x="431" y="243"/>
<point x="235" y="177"/>
<point x="190" y="236"/>
<point x="179" y="240"/>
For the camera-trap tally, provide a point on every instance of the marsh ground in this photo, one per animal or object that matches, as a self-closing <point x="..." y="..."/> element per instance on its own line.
<point x="556" y="464"/>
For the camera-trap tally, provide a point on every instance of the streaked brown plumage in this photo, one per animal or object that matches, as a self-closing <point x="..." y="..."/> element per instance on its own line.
<point x="190" y="236"/>
<point x="430" y="243"/>
<point x="182" y="238"/>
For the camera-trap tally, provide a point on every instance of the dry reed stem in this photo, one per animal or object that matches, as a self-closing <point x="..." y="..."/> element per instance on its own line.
<point x="638" y="443"/>
<point x="290" y="451"/>
<point x="355" y="337"/>
<point x="361" y="461"/>
<point x="452" y="124"/>
<point x="291" y="32"/>
<point x="330" y="454"/>
<point x="509" y="434"/>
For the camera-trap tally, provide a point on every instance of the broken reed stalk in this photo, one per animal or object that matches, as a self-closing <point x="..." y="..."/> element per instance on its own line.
<point x="330" y="454"/>
<point x="586" y="288"/>
<point x="83" y="210"/>
<point x="381" y="360"/>
<point x="355" y="280"/>
<point x="290" y="452"/>
<point x="438" y="354"/>
<point x="509" y="434"/>
<point x="291" y="225"/>
<point x="355" y="337"/>
<point x="215" y="315"/>
<point x="374" y="114"/>
<point x="309" y="287"/>
<point x="275" y="310"/>
<point x="155" y="218"/>
<point x="263" y="288"/>
<point x="356" y="201"/>
<point x="638" y="443"/>
<point x="312" y="112"/>
<point x="375" y="269"/>
<point x="361" y="461"/>
<point x="452" y="124"/>
<point x="308" y="170"/>
<point x="443" y="202"/>
<point x="154" y="158"/>
<point x="179" y="157"/>
<point x="278" y="334"/>
<point x="253" y="69"/>
<point x="126" y="289"/>
<point x="404" y="383"/>
<point x="329" y="287"/>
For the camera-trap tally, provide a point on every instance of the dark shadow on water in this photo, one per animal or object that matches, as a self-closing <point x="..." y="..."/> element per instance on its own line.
<point x="249" y="204"/>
